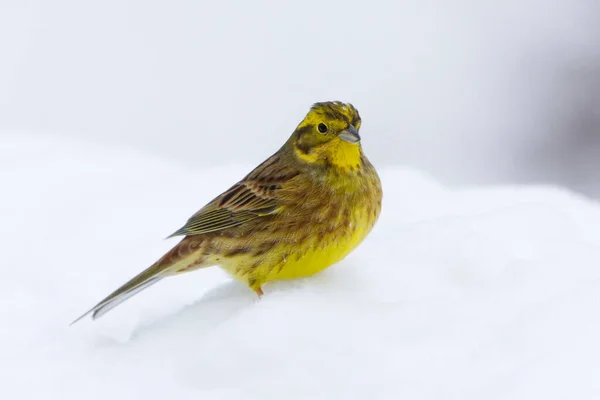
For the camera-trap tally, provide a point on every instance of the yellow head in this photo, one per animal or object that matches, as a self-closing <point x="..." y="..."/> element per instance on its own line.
<point x="328" y="136"/>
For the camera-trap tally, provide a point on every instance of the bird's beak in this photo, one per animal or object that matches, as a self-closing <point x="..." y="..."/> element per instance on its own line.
<point x="350" y="135"/>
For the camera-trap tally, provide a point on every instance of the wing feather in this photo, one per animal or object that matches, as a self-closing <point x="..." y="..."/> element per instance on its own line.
<point x="256" y="196"/>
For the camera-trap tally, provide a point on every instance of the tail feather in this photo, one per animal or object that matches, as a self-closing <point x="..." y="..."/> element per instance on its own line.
<point x="115" y="301"/>
<point x="116" y="298"/>
<point x="177" y="259"/>
<point x="132" y="287"/>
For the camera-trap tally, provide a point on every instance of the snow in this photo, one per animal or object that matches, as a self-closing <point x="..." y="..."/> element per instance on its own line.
<point x="472" y="293"/>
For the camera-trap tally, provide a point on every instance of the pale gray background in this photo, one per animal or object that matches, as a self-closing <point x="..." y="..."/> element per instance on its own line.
<point x="473" y="91"/>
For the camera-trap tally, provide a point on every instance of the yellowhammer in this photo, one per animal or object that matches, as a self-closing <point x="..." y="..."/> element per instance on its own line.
<point x="303" y="209"/>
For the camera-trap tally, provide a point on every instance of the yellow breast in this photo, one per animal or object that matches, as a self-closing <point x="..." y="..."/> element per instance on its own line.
<point x="320" y="252"/>
<point x="338" y="225"/>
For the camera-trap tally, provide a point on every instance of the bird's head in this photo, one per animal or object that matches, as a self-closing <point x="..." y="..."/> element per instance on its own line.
<point x="328" y="135"/>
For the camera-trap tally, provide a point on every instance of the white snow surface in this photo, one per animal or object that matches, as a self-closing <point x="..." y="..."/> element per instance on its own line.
<point x="478" y="293"/>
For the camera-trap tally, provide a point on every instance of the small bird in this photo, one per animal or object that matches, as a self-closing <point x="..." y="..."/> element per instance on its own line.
<point x="303" y="209"/>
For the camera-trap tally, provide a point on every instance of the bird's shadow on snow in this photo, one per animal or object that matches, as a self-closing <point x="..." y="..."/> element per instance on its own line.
<point x="215" y="307"/>
<point x="227" y="300"/>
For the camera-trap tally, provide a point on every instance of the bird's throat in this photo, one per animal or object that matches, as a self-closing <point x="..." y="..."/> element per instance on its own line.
<point x="336" y="153"/>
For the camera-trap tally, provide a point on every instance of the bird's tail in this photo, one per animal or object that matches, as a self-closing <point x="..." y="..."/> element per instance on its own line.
<point x="179" y="258"/>
<point x="129" y="289"/>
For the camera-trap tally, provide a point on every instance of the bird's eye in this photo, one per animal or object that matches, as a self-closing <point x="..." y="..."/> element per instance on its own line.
<point x="322" y="128"/>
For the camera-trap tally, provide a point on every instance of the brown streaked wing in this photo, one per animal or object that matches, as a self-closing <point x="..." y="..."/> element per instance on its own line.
<point x="254" y="197"/>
